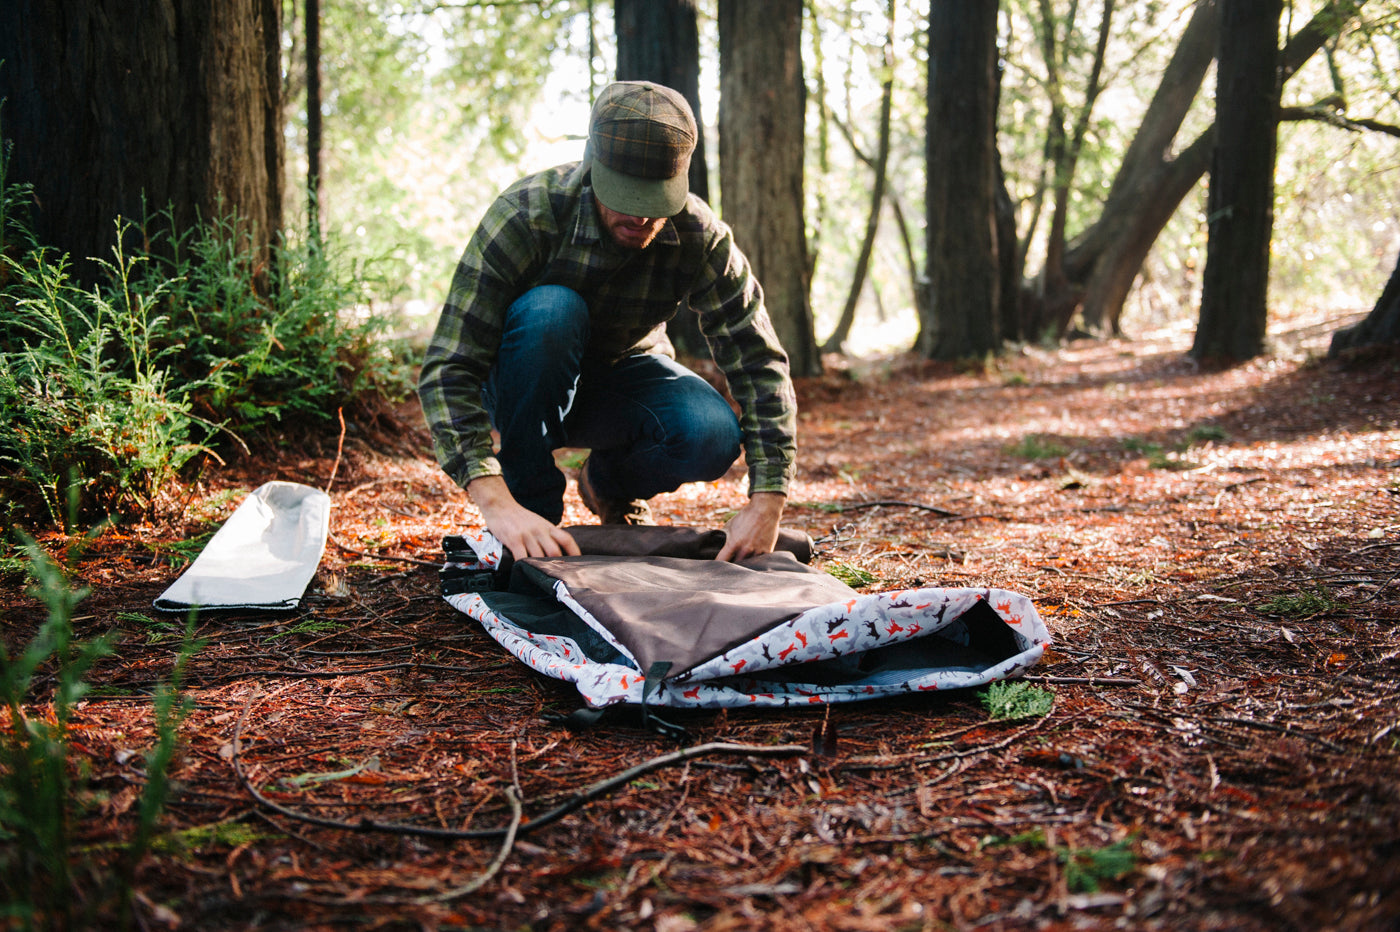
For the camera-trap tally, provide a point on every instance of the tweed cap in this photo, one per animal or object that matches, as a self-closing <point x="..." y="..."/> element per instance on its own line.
<point x="640" y="139"/>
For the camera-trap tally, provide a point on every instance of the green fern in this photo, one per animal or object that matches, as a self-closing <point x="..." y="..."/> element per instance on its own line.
<point x="1012" y="700"/>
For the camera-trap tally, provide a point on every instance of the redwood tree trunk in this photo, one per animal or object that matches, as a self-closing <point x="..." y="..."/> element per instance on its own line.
<point x="1381" y="326"/>
<point x="1235" y="287"/>
<point x="313" y="121"/>
<point x="761" y="142"/>
<point x="963" y="316"/>
<point x="127" y="108"/>
<point x="1150" y="184"/>
<point x="659" y="41"/>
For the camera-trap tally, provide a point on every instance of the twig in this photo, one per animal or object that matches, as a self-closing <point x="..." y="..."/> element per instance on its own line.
<point x="356" y="671"/>
<point x="339" y="448"/>
<point x="1381" y="587"/>
<point x="381" y="556"/>
<point x="516" y="812"/>
<point x="1087" y="680"/>
<point x="885" y="503"/>
<point x="585" y="796"/>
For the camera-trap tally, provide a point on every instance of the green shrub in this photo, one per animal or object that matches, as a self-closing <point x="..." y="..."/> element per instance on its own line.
<point x="36" y="808"/>
<point x="41" y="780"/>
<point x="853" y="576"/>
<point x="1086" y="868"/>
<point x="90" y="400"/>
<point x="263" y="339"/>
<point x="196" y="342"/>
<point x="1036" y="447"/>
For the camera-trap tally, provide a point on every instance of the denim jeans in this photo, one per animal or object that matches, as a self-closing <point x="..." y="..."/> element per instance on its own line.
<point x="650" y="423"/>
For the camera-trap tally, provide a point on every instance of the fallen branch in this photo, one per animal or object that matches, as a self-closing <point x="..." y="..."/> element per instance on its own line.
<point x="1085" y="680"/>
<point x="516" y="813"/>
<point x="382" y="556"/>
<point x="339" y="449"/>
<point x="885" y="503"/>
<point x="590" y="793"/>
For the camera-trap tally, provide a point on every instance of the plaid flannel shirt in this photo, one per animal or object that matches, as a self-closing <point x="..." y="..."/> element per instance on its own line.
<point x="544" y="230"/>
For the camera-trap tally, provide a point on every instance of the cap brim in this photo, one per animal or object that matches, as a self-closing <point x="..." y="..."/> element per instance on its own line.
<point x="639" y="197"/>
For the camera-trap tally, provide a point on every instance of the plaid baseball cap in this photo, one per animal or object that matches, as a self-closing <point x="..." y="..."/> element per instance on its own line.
<point x="640" y="139"/>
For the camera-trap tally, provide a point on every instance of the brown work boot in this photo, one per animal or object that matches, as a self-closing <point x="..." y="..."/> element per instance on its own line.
<point x="611" y="510"/>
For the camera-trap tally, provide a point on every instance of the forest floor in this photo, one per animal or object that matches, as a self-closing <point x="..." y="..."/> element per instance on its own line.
<point x="1216" y="554"/>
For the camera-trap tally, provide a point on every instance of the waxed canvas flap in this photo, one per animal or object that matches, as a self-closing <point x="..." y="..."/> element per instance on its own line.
<point x="686" y="611"/>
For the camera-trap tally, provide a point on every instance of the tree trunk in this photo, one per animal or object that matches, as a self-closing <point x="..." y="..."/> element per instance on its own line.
<point x="1060" y="296"/>
<point x="1150" y="184"/>
<point x="761" y="142"/>
<point x="1235" y="287"/>
<point x="313" y="121"/>
<point x="1381" y="326"/>
<point x="659" y="41"/>
<point x="125" y="109"/>
<point x="879" y="168"/>
<point x="963" y="316"/>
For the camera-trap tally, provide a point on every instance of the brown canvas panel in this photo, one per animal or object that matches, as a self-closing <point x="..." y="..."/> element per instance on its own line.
<point x="625" y="540"/>
<point x="685" y="611"/>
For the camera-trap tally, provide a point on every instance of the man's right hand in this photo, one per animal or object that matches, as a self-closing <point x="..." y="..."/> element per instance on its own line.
<point x="524" y="533"/>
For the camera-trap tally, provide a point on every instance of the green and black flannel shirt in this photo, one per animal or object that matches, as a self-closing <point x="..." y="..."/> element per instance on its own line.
<point x="544" y="230"/>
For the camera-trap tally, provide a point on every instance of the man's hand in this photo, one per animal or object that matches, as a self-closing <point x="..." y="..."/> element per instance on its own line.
<point x="524" y="533"/>
<point x="754" y="530"/>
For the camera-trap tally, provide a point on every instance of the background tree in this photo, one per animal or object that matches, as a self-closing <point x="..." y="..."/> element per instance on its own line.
<point x="960" y="207"/>
<point x="761" y="138"/>
<point x="1056" y="296"/>
<point x="313" y="120"/>
<point x="1234" y="300"/>
<point x="659" y="40"/>
<point x="1380" y="327"/>
<point x="1155" y="175"/>
<point x="125" y="109"/>
<point x="427" y="115"/>
<point x="879" y="166"/>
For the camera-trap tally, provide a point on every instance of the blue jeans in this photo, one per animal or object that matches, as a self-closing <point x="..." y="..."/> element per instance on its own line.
<point x="650" y="423"/>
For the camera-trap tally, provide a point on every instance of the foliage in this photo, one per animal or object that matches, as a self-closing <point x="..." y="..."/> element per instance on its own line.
<point x="41" y="780"/>
<point x="258" y="344"/>
<point x="425" y="118"/>
<point x="171" y="708"/>
<point x="1319" y="601"/>
<point x="1036" y="447"/>
<point x="93" y="408"/>
<point x="188" y="340"/>
<point x="1086" y="868"/>
<point x="1007" y="699"/>
<point x="36" y="773"/>
<point x="852" y="576"/>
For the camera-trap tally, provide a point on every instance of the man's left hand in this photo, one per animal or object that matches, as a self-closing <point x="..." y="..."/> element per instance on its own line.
<point x="754" y="530"/>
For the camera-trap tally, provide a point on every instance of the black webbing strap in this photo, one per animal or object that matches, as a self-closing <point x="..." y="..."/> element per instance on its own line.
<point x="587" y="717"/>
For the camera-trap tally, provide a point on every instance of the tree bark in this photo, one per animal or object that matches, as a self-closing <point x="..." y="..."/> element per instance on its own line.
<point x="659" y="41"/>
<point x="963" y="314"/>
<point x="1381" y="326"/>
<point x="1151" y="184"/>
<point x="1113" y="247"/>
<point x="124" y="109"/>
<point x="761" y="148"/>
<point x="313" y="121"/>
<point x="1240" y="209"/>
